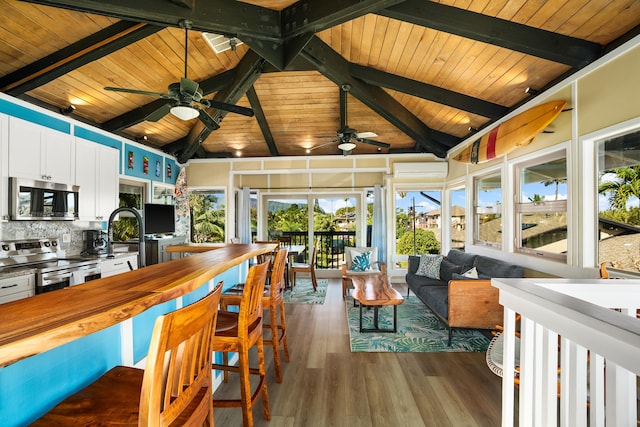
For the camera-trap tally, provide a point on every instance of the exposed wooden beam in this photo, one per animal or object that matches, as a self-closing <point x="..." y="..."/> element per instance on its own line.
<point x="76" y="55"/>
<point x="312" y="16"/>
<point x="427" y="91"/>
<point x="256" y="26"/>
<point x="304" y="18"/>
<point x="336" y="68"/>
<point x="247" y="72"/>
<point x="262" y="121"/>
<point x="555" y="47"/>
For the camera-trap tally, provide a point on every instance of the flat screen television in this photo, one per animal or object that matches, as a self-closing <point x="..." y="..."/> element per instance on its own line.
<point x="159" y="219"/>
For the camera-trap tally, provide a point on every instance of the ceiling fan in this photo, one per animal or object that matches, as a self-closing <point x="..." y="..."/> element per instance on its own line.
<point x="185" y="97"/>
<point x="346" y="136"/>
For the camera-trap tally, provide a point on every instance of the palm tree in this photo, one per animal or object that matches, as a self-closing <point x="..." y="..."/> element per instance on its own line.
<point x="556" y="182"/>
<point x="625" y="186"/>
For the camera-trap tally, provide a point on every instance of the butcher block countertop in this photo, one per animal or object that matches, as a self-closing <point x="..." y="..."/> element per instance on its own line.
<point x="194" y="247"/>
<point x="34" y="325"/>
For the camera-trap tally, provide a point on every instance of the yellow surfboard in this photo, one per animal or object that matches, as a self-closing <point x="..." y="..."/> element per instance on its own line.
<point x="515" y="132"/>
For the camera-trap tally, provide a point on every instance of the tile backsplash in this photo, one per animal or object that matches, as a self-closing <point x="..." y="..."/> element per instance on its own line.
<point x="70" y="233"/>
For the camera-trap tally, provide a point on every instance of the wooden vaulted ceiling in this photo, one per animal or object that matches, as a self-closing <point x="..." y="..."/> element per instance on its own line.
<point x="422" y="73"/>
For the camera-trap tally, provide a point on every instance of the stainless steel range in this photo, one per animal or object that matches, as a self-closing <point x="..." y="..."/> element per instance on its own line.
<point x="42" y="255"/>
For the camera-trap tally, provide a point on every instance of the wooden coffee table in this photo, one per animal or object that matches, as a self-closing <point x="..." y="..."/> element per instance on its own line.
<point x="374" y="290"/>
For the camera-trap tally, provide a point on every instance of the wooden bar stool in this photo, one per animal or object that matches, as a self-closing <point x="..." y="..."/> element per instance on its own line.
<point x="173" y="389"/>
<point x="238" y="332"/>
<point x="272" y="300"/>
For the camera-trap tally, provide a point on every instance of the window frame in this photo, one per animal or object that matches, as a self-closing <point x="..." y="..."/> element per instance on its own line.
<point x="525" y="207"/>
<point x="476" y="209"/>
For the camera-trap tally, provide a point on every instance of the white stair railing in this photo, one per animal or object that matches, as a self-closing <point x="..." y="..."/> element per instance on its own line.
<point x="579" y="352"/>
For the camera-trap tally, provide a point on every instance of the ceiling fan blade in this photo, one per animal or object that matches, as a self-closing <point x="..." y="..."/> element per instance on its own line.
<point x="159" y="113"/>
<point x="136" y="91"/>
<point x="228" y="107"/>
<point x="372" y="142"/>
<point x="189" y="87"/>
<point x="366" y="135"/>
<point x="322" y="145"/>
<point x="207" y="120"/>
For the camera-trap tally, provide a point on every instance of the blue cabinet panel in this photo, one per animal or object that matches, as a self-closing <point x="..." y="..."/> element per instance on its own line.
<point x="32" y="386"/>
<point x="34" y="116"/>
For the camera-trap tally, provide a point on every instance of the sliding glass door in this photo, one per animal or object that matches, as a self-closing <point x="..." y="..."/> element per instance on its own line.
<point x="332" y="221"/>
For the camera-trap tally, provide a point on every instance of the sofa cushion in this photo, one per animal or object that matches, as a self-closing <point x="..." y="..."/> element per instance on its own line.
<point x="492" y="267"/>
<point x="437" y="298"/>
<point x="429" y="266"/>
<point x="447" y="268"/>
<point x="463" y="259"/>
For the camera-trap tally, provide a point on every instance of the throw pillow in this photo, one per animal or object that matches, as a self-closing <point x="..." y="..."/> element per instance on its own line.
<point x="429" y="266"/>
<point x="361" y="261"/>
<point x="471" y="274"/>
<point x="447" y="269"/>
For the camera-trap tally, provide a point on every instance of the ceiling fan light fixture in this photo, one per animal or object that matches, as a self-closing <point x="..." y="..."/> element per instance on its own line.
<point x="347" y="146"/>
<point x="184" y="112"/>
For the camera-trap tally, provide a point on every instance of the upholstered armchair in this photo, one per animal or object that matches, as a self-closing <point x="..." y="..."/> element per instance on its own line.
<point x="360" y="260"/>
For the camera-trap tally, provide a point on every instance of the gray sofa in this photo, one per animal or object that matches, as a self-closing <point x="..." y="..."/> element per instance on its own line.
<point x="462" y="302"/>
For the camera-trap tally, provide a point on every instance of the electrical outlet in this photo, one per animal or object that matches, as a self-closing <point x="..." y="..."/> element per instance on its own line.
<point x="66" y="238"/>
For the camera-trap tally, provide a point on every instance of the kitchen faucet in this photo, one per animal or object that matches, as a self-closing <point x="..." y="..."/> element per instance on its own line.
<point x="141" y="256"/>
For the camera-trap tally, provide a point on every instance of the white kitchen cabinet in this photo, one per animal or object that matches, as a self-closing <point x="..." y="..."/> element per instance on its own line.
<point x="15" y="288"/>
<point x="121" y="264"/>
<point x="40" y="153"/>
<point x="96" y="168"/>
<point x="4" y="167"/>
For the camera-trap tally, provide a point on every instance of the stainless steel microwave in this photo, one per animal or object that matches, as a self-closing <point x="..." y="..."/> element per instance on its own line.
<point x="42" y="200"/>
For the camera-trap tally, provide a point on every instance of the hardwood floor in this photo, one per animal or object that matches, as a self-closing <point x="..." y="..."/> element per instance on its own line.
<point x="326" y="385"/>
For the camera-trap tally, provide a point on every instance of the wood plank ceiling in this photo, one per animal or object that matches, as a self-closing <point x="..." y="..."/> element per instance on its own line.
<point x="422" y="73"/>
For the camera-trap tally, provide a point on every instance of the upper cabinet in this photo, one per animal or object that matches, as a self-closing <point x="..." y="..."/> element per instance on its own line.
<point x="96" y="169"/>
<point x="40" y="153"/>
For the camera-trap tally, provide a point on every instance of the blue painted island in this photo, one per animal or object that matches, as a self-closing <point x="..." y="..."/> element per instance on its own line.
<point x="55" y="343"/>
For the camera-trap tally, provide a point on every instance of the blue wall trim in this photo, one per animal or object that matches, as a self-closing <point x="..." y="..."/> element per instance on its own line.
<point x="91" y="135"/>
<point x="155" y="163"/>
<point x="34" y="116"/>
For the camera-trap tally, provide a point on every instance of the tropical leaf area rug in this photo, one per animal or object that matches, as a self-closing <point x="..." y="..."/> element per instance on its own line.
<point x="303" y="292"/>
<point x="419" y="330"/>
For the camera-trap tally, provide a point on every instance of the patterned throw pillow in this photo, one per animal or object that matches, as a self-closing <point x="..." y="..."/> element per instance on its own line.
<point x="361" y="261"/>
<point x="471" y="274"/>
<point x="429" y="266"/>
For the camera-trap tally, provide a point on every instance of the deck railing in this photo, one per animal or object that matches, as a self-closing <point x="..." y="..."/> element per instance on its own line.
<point x="331" y="246"/>
<point x="579" y="352"/>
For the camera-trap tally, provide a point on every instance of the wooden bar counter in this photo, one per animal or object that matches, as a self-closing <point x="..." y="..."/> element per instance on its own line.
<point x="34" y="325"/>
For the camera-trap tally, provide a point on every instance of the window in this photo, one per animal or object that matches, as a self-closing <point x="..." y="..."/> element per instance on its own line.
<point x="131" y="195"/>
<point x="162" y="194"/>
<point x="541" y="208"/>
<point x="207" y="216"/>
<point x="457" y="209"/>
<point x="488" y="210"/>
<point x="619" y="202"/>
<point x="418" y="222"/>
